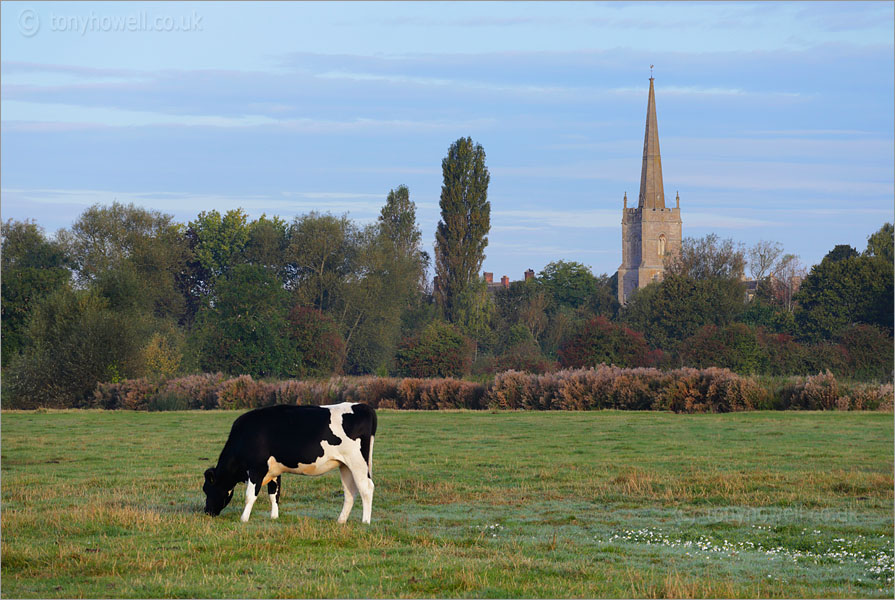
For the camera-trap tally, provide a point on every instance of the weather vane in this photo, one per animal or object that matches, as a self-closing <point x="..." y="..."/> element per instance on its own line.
<point x="651" y="71"/>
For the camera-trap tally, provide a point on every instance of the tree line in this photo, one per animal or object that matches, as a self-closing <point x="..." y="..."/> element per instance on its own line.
<point x="127" y="292"/>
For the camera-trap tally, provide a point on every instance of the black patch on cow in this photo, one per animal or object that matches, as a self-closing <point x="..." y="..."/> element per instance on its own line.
<point x="291" y="434"/>
<point x="361" y="423"/>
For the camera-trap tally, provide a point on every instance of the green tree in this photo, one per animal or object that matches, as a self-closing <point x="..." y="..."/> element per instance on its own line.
<point x="266" y="244"/>
<point x="33" y="267"/>
<point x="568" y="283"/>
<point x="840" y="252"/>
<point x="127" y="238"/>
<point x="473" y="312"/>
<point x="843" y="289"/>
<point x="461" y="235"/>
<point x="572" y="284"/>
<point x="76" y="342"/>
<point x="322" y="256"/>
<point x="392" y="266"/>
<point x="245" y="330"/>
<point x="670" y="311"/>
<point x="440" y="350"/>
<point x="880" y="244"/>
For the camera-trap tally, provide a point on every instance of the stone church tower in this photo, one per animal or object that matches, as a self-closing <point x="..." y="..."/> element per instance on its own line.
<point x="651" y="231"/>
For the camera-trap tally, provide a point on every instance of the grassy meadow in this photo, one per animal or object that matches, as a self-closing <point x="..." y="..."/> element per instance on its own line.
<point x="467" y="504"/>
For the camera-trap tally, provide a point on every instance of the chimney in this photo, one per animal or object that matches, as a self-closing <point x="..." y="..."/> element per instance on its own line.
<point x="505" y="281"/>
<point x="489" y="277"/>
<point x="529" y="274"/>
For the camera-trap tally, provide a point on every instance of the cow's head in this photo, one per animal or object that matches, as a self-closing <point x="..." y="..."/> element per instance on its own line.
<point x="217" y="497"/>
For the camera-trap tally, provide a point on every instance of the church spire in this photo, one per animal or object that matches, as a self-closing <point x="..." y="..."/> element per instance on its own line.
<point x="652" y="190"/>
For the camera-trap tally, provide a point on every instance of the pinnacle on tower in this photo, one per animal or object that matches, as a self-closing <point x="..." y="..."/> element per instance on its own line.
<point x="652" y="190"/>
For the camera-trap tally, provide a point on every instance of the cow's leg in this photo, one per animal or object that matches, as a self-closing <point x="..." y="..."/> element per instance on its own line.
<point x="364" y="484"/>
<point x="273" y="490"/>
<point x="253" y="488"/>
<point x="350" y="492"/>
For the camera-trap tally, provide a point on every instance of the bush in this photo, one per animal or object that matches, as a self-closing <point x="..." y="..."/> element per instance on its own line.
<point x="710" y="390"/>
<point x="685" y="390"/>
<point x="681" y="390"/>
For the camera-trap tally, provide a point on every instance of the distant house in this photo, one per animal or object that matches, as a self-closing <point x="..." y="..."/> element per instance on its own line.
<point x="504" y="282"/>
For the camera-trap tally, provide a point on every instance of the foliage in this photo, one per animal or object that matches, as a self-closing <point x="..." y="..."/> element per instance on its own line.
<point x="440" y="350"/>
<point x="845" y="289"/>
<point x="266" y="244"/>
<point x="867" y="353"/>
<point x="474" y="310"/>
<point x="599" y="341"/>
<point x="76" y="342"/>
<point x="145" y="246"/>
<point x="880" y="244"/>
<point x="245" y="331"/>
<point x="33" y="267"/>
<point x="735" y="346"/>
<point x="672" y="310"/>
<point x="525" y="356"/>
<point x="461" y="235"/>
<point x="318" y="340"/>
<point x="568" y="283"/>
<point x="322" y="255"/>
<point x="219" y="240"/>
<point x="161" y="356"/>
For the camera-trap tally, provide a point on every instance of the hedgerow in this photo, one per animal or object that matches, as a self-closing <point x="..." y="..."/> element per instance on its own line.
<point x="684" y="390"/>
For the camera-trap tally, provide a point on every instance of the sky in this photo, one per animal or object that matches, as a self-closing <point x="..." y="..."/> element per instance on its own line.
<point x="775" y="119"/>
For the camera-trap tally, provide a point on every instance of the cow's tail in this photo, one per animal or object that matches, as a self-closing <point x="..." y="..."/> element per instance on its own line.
<point x="369" y="456"/>
<point x="370" y="459"/>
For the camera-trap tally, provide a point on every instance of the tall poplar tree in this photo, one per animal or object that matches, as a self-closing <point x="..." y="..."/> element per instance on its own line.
<point x="461" y="237"/>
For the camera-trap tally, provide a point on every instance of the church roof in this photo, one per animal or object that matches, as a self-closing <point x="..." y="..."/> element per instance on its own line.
<point x="652" y="190"/>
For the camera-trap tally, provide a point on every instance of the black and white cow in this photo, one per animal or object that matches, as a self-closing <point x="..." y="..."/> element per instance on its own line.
<point x="308" y="440"/>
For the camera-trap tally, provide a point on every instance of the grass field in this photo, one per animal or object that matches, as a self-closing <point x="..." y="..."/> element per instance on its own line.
<point x="481" y="504"/>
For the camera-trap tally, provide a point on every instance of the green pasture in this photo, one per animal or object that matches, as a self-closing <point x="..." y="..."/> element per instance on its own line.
<point x="467" y="504"/>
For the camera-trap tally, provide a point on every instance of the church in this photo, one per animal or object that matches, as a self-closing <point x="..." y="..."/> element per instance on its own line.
<point x="650" y="232"/>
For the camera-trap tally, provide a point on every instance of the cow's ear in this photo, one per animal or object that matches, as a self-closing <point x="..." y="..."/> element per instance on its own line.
<point x="209" y="475"/>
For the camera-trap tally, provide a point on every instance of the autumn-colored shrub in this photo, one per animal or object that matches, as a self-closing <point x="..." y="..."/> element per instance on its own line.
<point x="709" y="390"/>
<point x="818" y="392"/>
<point x="684" y="390"/>
<point x="824" y="392"/>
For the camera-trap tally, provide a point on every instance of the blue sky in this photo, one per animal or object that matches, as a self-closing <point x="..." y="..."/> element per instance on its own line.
<point x="775" y="119"/>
